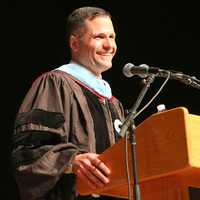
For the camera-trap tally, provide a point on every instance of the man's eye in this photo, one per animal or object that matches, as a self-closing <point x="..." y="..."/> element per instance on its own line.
<point x="112" y="37"/>
<point x="99" y="37"/>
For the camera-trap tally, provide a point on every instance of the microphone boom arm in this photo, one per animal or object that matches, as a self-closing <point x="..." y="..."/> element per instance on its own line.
<point x="183" y="78"/>
<point x="133" y="110"/>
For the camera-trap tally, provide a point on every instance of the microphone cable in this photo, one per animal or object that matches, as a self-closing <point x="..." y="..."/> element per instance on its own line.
<point x="157" y="93"/>
<point x="130" y="195"/>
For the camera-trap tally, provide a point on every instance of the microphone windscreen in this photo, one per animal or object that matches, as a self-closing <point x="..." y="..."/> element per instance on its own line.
<point x="127" y="70"/>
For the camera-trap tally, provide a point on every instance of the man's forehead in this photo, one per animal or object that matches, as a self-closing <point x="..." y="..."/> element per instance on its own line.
<point x="100" y="23"/>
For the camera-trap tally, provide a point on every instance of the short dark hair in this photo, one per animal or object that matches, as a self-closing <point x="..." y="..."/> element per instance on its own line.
<point x="76" y="20"/>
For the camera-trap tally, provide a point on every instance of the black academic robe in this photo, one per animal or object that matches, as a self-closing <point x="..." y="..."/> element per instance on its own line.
<point x="59" y="118"/>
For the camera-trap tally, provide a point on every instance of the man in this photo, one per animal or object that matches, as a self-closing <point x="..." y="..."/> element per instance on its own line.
<point x="67" y="117"/>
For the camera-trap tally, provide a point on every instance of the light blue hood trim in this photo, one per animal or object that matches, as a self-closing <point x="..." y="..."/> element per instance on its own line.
<point x="88" y="78"/>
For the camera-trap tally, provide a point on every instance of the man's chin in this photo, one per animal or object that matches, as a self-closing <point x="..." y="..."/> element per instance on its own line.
<point x="107" y="65"/>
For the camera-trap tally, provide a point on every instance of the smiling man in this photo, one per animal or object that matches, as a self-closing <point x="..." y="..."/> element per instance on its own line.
<point x="67" y="117"/>
<point x="95" y="47"/>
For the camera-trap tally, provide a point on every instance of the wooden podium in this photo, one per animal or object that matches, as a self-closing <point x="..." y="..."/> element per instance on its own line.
<point x="168" y="158"/>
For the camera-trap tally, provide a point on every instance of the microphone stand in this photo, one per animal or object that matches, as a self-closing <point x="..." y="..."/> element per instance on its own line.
<point x="130" y="124"/>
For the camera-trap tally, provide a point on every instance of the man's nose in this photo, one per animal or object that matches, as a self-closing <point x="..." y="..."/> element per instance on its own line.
<point x="108" y="43"/>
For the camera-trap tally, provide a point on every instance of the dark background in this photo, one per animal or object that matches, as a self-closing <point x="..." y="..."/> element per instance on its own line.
<point x="159" y="33"/>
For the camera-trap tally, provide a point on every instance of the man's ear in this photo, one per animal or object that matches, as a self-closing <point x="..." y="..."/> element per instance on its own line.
<point x="74" y="43"/>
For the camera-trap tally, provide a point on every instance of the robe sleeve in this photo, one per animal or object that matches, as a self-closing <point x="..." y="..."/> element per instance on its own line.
<point x="42" y="150"/>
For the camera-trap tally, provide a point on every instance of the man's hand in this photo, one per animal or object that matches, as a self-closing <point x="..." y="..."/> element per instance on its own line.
<point x="90" y="168"/>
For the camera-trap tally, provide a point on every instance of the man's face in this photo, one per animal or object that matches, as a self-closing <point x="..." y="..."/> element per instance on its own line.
<point x="96" y="47"/>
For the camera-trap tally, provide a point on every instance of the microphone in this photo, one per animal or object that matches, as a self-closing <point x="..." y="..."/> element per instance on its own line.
<point x="144" y="71"/>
